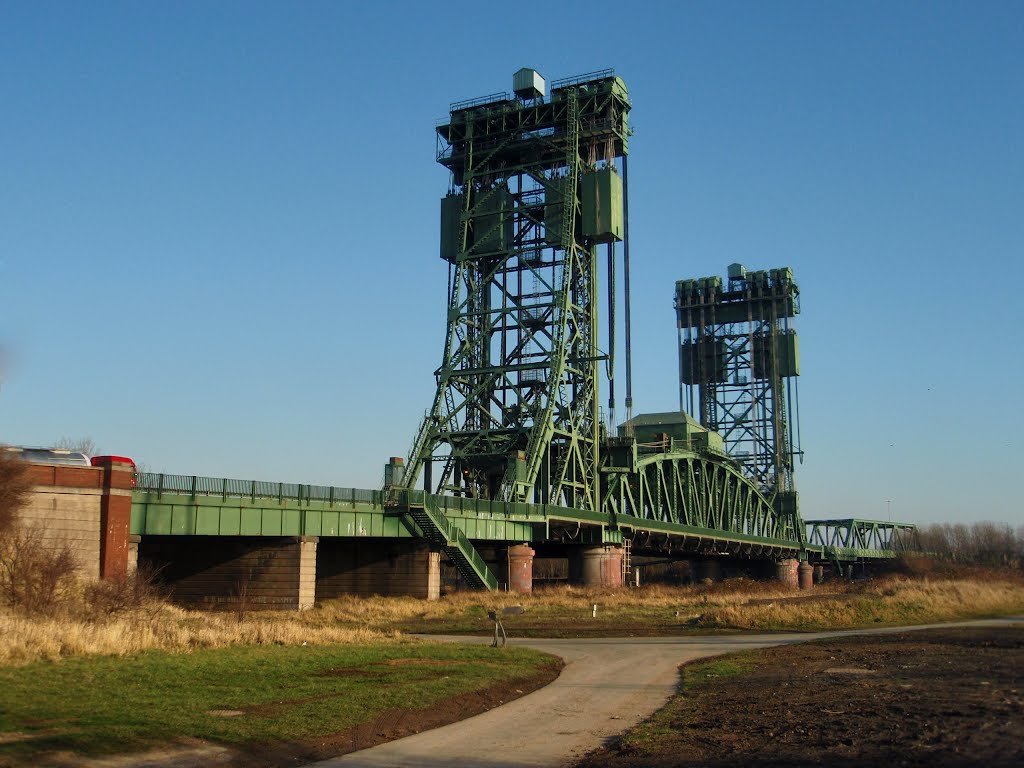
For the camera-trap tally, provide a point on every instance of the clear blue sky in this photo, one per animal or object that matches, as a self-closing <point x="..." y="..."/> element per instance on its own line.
<point x="219" y="221"/>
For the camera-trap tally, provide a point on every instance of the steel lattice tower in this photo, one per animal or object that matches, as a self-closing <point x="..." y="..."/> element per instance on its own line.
<point x="537" y="184"/>
<point x="738" y="363"/>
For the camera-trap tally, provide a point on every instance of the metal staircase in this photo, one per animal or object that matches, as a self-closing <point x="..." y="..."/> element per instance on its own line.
<point x="439" y="530"/>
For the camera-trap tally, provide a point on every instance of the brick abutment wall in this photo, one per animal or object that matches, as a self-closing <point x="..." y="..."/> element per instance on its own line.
<point x="87" y="510"/>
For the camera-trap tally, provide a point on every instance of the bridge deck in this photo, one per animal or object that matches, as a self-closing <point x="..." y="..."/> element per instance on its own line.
<point x="192" y="505"/>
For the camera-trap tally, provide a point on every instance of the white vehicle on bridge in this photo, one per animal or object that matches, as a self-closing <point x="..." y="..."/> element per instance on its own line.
<point x="49" y="456"/>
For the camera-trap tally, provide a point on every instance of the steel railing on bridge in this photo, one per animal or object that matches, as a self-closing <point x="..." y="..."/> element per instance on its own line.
<point x="195" y="485"/>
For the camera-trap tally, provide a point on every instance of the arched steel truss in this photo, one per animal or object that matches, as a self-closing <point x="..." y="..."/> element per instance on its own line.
<point x="693" y="490"/>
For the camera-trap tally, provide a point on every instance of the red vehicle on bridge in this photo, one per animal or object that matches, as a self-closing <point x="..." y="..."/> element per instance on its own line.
<point x="100" y="460"/>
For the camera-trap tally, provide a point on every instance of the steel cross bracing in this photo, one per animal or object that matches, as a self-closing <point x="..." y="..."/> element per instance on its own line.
<point x="515" y="415"/>
<point x="678" y="485"/>
<point x="732" y="374"/>
<point x="861" y="538"/>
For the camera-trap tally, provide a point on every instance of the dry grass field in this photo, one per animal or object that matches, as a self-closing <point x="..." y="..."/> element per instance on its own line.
<point x="738" y="604"/>
<point x="162" y="627"/>
<point x="149" y="622"/>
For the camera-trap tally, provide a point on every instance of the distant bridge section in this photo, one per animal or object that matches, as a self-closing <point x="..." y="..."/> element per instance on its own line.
<point x="854" y="539"/>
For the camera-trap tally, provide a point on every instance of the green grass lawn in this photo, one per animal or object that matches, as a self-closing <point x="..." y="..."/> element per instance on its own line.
<point x="106" y="704"/>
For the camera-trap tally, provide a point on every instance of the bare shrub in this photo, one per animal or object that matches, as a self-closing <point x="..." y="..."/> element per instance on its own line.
<point x="35" y="573"/>
<point x="241" y="594"/>
<point x="14" y="489"/>
<point x="139" y="590"/>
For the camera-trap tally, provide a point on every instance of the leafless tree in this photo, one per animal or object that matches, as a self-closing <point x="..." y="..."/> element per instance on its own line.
<point x="983" y="543"/>
<point x="84" y="445"/>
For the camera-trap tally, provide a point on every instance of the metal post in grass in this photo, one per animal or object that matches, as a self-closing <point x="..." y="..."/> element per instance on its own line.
<point x="511" y="610"/>
<point x="498" y="627"/>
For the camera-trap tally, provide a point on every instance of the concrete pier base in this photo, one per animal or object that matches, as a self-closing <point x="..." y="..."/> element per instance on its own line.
<point x="819" y="574"/>
<point x="307" y="571"/>
<point x="598" y="566"/>
<point x="786" y="572"/>
<point x="133" y="553"/>
<point x="520" y="568"/>
<point x="805" y="575"/>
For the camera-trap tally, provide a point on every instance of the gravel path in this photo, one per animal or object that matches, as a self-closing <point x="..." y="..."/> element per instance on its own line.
<point x="607" y="686"/>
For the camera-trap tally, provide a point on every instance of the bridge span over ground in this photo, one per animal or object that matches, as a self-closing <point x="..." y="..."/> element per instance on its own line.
<point x="220" y="539"/>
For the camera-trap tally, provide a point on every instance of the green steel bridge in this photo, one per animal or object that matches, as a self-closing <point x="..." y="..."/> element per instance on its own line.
<point x="686" y="523"/>
<point x="515" y="446"/>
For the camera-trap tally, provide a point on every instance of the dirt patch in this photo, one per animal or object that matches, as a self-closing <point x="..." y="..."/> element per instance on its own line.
<point x="275" y="708"/>
<point x="380" y="670"/>
<point x="405" y="662"/>
<point x="391" y="724"/>
<point x="14" y="736"/>
<point x="348" y="672"/>
<point x="184" y="753"/>
<point x="950" y="697"/>
<point x="794" y="599"/>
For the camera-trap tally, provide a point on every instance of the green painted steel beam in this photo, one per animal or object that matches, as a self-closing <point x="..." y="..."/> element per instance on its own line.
<point x="276" y="509"/>
<point x="675" y="529"/>
<point x="858" y="535"/>
<point x="175" y="514"/>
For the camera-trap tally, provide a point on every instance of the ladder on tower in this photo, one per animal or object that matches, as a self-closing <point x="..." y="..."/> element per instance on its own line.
<point x="627" y="559"/>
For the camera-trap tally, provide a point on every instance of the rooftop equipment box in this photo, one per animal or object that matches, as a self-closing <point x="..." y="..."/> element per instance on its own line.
<point x="528" y="84"/>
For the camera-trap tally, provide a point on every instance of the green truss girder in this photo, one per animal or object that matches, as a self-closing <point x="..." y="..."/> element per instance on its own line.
<point x="856" y="535"/>
<point x="695" y="491"/>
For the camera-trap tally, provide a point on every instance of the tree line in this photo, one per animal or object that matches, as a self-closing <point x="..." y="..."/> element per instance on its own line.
<point x="995" y="545"/>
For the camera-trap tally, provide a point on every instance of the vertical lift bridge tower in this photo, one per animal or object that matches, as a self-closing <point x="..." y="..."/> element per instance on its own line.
<point x="538" y="184"/>
<point x="738" y="366"/>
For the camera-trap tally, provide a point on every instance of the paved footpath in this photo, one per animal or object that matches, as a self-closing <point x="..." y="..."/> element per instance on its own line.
<point x="607" y="686"/>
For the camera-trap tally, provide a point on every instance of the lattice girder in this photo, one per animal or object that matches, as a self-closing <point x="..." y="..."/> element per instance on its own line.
<point x="694" y="490"/>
